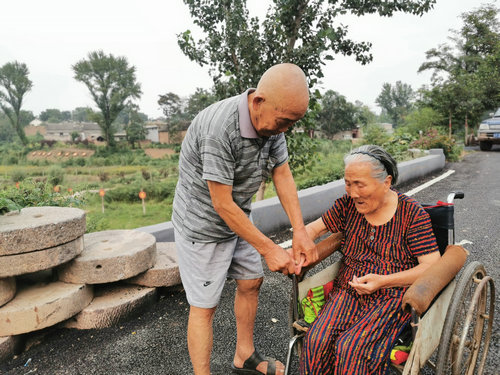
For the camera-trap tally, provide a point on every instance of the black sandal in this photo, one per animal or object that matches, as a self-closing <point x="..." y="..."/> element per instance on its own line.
<point x="250" y="365"/>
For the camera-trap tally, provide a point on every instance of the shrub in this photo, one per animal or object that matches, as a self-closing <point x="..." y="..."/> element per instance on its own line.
<point x="56" y="175"/>
<point x="335" y="174"/>
<point x="374" y="134"/>
<point x="32" y="194"/>
<point x="130" y="193"/>
<point x="18" y="175"/>
<point x="434" y="139"/>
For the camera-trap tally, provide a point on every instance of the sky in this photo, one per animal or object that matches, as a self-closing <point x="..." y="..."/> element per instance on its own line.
<point x="52" y="35"/>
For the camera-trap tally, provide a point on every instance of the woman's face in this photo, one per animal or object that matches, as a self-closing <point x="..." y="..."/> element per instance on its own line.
<point x="367" y="192"/>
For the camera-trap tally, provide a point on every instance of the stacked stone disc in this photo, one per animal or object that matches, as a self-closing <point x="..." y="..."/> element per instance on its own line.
<point x="103" y="277"/>
<point x="33" y="240"/>
<point x="108" y="257"/>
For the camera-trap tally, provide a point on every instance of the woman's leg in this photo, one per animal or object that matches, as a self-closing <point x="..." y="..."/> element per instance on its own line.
<point x="318" y="352"/>
<point x="365" y="347"/>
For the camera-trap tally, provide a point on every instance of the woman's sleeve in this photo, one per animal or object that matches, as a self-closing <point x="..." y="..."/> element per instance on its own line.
<point x="334" y="218"/>
<point x="421" y="239"/>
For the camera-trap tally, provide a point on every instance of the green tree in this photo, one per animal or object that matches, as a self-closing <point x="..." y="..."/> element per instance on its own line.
<point x="364" y="115"/>
<point x="172" y="107"/>
<point x="111" y="82"/>
<point x="82" y="114"/>
<point x="238" y="49"/>
<point x="397" y="101"/>
<point x="422" y="119"/>
<point x="465" y="79"/>
<point x="198" y="101"/>
<point x="7" y="132"/>
<point x="14" y="84"/>
<point x="51" y="115"/>
<point x="306" y="33"/>
<point x="336" y="113"/>
<point x="134" y="127"/>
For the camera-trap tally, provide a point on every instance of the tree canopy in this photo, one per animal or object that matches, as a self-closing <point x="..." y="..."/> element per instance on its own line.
<point x="180" y="112"/>
<point x="396" y="100"/>
<point x="14" y="84"/>
<point x="466" y="73"/>
<point x="336" y="113"/>
<point x="111" y="82"/>
<point x="238" y="48"/>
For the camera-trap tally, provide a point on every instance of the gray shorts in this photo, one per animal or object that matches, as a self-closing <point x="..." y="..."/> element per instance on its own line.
<point x="204" y="267"/>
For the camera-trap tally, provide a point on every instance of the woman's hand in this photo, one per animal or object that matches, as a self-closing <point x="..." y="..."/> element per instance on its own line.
<point x="367" y="284"/>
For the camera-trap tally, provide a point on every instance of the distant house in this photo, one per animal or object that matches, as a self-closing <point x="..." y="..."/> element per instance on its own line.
<point x="62" y="131"/>
<point x="91" y="131"/>
<point x="387" y="127"/>
<point x="152" y="133"/>
<point x="164" y="135"/>
<point x="36" y="122"/>
<point x="348" y="134"/>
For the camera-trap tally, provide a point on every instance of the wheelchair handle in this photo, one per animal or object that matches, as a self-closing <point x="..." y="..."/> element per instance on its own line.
<point x="455" y="195"/>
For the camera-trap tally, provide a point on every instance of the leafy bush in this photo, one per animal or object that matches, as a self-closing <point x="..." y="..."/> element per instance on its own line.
<point x="18" y="175"/>
<point x="334" y="174"/>
<point x="130" y="193"/>
<point x="374" y="134"/>
<point x="56" y="175"/>
<point x="434" y="139"/>
<point x="34" y="194"/>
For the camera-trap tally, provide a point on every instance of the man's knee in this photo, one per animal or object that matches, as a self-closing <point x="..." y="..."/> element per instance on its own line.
<point x="249" y="286"/>
<point x="200" y="314"/>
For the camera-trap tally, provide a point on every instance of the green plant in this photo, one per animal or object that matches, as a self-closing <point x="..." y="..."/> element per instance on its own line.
<point x="434" y="139"/>
<point x="31" y="193"/>
<point x="374" y="134"/>
<point x="18" y="175"/>
<point x="56" y="175"/>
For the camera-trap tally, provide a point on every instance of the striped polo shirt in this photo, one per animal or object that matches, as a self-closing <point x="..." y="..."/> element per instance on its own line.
<point x="221" y="145"/>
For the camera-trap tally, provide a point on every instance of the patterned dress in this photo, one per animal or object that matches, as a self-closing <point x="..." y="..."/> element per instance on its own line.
<point x="354" y="333"/>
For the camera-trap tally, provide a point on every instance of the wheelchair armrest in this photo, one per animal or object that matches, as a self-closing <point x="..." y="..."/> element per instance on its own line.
<point x="423" y="291"/>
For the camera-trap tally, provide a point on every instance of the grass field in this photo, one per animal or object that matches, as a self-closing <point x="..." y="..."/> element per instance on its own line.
<point x="122" y="183"/>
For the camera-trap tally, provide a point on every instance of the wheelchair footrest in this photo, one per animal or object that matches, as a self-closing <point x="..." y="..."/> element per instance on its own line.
<point x="301" y="325"/>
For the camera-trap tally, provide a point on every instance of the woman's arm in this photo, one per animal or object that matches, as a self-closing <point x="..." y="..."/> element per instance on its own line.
<point x="370" y="283"/>
<point x="316" y="229"/>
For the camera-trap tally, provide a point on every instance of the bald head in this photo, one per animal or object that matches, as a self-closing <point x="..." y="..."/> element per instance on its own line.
<point x="280" y="100"/>
<point x="285" y="85"/>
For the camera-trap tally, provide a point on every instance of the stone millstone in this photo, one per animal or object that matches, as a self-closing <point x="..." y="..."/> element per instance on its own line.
<point x="111" y="304"/>
<point x="9" y="346"/>
<point x="7" y="290"/>
<point x="39" y="306"/>
<point x="110" y="256"/>
<point x="165" y="272"/>
<point x="20" y="264"/>
<point x="37" y="228"/>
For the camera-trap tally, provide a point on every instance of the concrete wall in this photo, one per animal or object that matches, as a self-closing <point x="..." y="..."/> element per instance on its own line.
<point x="269" y="216"/>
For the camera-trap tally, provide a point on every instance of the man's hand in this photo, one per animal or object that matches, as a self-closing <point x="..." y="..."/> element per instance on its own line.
<point x="367" y="284"/>
<point x="279" y="260"/>
<point x="304" y="249"/>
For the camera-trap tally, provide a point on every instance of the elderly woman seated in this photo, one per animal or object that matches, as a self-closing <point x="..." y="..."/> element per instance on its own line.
<point x="388" y="242"/>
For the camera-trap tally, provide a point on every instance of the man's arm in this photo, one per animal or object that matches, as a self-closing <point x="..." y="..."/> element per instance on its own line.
<point x="287" y="194"/>
<point x="276" y="258"/>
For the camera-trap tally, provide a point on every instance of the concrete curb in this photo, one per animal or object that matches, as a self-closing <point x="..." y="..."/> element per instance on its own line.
<point x="269" y="216"/>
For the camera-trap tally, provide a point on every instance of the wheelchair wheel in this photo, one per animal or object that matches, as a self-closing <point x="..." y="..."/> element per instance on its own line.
<point x="466" y="333"/>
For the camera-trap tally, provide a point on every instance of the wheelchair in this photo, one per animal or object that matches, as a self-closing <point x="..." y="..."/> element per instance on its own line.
<point x="451" y="316"/>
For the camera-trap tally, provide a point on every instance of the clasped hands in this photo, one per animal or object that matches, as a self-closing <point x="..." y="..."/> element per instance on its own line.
<point x="291" y="261"/>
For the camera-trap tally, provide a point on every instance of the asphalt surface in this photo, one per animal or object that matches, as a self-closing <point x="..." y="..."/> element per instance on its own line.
<point x="154" y="342"/>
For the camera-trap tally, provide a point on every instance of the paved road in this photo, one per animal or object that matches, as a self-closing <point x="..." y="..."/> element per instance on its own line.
<point x="154" y="343"/>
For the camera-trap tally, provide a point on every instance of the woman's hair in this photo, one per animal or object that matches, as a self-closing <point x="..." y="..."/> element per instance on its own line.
<point x="383" y="164"/>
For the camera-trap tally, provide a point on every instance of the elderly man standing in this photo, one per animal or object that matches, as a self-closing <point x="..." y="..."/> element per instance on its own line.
<point x="229" y="149"/>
